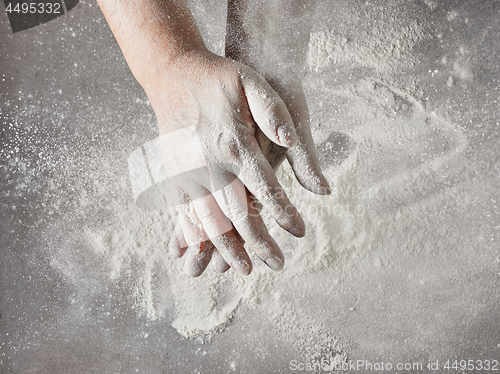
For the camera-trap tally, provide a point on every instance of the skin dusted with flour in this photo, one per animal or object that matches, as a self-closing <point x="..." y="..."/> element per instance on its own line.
<point x="185" y="82"/>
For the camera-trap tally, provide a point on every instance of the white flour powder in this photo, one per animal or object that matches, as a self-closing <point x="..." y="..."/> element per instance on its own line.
<point x="383" y="46"/>
<point x="393" y="153"/>
<point x="405" y="186"/>
<point x="390" y="160"/>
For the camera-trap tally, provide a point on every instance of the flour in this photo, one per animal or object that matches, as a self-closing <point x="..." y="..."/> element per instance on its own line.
<point x="432" y="4"/>
<point x="384" y="161"/>
<point x="384" y="165"/>
<point x="381" y="161"/>
<point x="383" y="47"/>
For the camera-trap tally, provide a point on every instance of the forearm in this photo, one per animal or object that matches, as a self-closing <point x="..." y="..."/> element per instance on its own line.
<point x="151" y="34"/>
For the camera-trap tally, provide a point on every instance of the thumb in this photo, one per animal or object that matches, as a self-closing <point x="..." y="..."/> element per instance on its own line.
<point x="268" y="109"/>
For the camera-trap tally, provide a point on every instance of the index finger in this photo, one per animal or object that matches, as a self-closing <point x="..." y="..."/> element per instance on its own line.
<point x="258" y="176"/>
<point x="268" y="109"/>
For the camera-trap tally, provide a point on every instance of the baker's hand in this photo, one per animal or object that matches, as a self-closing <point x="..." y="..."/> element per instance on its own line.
<point x="302" y="157"/>
<point x="208" y="110"/>
<point x="304" y="162"/>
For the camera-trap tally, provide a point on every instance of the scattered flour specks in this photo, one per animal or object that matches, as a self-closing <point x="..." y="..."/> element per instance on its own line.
<point x="385" y="181"/>
<point x="383" y="47"/>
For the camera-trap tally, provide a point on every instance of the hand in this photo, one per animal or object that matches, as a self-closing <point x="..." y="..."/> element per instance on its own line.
<point x="272" y="37"/>
<point x="208" y="109"/>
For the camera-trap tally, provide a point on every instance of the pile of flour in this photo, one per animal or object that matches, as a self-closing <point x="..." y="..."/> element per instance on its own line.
<point x="387" y="165"/>
<point x="384" y="46"/>
<point x="383" y="166"/>
<point x="385" y="161"/>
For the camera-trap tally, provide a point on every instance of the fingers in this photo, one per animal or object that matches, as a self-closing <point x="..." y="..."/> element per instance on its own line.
<point x="258" y="176"/>
<point x="286" y="125"/>
<point x="196" y="217"/>
<point x="244" y="212"/>
<point x="233" y="252"/>
<point x="218" y="263"/>
<point x="306" y="168"/>
<point x="197" y="255"/>
<point x="198" y="251"/>
<point x="303" y="157"/>
<point x="268" y="110"/>
<point x="189" y="222"/>
<point x="254" y="232"/>
<point x="213" y="220"/>
<point x="177" y="245"/>
<point x="235" y="204"/>
<point x="197" y="258"/>
<point x="219" y="228"/>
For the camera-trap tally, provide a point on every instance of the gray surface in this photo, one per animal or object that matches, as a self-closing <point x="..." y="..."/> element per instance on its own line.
<point x="72" y="113"/>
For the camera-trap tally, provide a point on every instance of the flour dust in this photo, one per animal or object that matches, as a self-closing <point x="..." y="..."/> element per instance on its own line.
<point x="395" y="158"/>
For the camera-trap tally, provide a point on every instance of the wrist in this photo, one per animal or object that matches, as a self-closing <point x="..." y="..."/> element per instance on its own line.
<point x="167" y="81"/>
<point x="151" y="33"/>
<point x="164" y="68"/>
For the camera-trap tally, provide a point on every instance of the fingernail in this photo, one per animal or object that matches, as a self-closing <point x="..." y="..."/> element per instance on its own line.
<point x="274" y="263"/>
<point x="241" y="267"/>
<point x="196" y="249"/>
<point x="297" y="231"/>
<point x="326" y="186"/>
<point x="174" y="247"/>
<point x="299" y="226"/>
<point x="287" y="135"/>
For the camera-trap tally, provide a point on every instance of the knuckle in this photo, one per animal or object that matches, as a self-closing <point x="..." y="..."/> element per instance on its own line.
<point x="231" y="146"/>
<point x="207" y="217"/>
<point x="228" y="145"/>
<point x="238" y="217"/>
<point x="270" y="108"/>
<point x="271" y="195"/>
